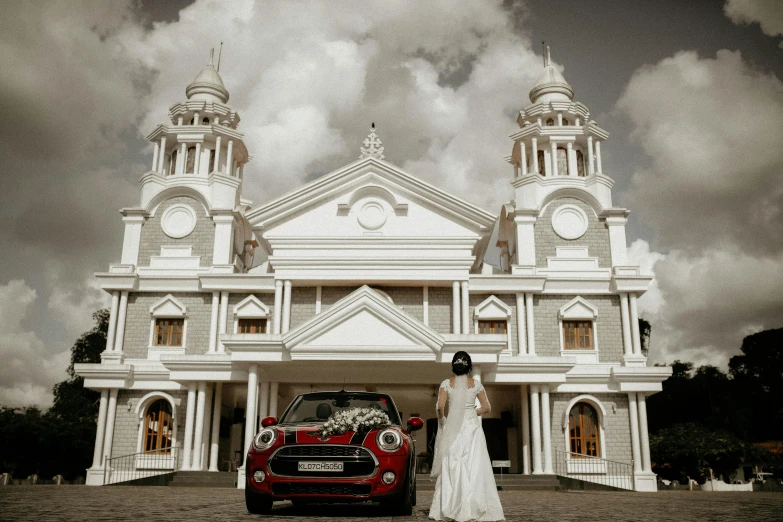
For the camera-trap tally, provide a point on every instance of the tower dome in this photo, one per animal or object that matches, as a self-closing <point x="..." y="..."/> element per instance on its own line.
<point x="551" y="85"/>
<point x="208" y="85"/>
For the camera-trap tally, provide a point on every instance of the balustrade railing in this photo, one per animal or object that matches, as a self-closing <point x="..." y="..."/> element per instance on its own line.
<point x="140" y="465"/>
<point x="596" y="470"/>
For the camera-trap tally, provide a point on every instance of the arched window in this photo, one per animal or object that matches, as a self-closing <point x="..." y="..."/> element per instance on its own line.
<point x="562" y="162"/>
<point x="541" y="165"/>
<point x="193" y="120"/>
<point x="583" y="431"/>
<point x="173" y="164"/>
<point x="205" y="121"/>
<point x="580" y="163"/>
<point x="550" y="122"/>
<point x="158" y="427"/>
<point x="191" y="160"/>
<point x="211" y="160"/>
<point x="566" y="122"/>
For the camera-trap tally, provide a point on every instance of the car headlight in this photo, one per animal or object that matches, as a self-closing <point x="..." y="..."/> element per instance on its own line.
<point x="389" y="440"/>
<point x="264" y="439"/>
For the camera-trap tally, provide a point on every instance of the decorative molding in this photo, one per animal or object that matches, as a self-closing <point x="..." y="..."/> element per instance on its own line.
<point x="577" y="308"/>
<point x="169" y="306"/>
<point x="569" y="221"/>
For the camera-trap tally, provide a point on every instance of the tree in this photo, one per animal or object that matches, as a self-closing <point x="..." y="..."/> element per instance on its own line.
<point x="73" y="416"/>
<point x="645" y="331"/>
<point x="758" y="382"/>
<point x="689" y="449"/>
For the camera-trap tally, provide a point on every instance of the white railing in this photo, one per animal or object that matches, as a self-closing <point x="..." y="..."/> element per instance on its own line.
<point x="611" y="473"/>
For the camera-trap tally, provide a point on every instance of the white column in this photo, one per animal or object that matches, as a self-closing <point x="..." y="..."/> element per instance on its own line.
<point x="644" y="438"/>
<point x="263" y="402"/>
<point x="523" y="158"/>
<point x="213" y="322"/>
<point x="590" y="167"/>
<point x="205" y="434"/>
<point x="455" y="308"/>
<point x="536" y="428"/>
<point x="598" y="156"/>
<point x="531" y="334"/>
<point x="286" y="306"/>
<point x="250" y="411"/>
<point x="559" y="119"/>
<point x="162" y="155"/>
<point x="318" y="294"/>
<point x="97" y="455"/>
<point x="115" y="303"/>
<point x="123" y="312"/>
<point x="626" y="320"/>
<point x="199" y="429"/>
<point x="229" y="157"/>
<point x="197" y="159"/>
<point x="465" y="307"/>
<point x="535" y="155"/>
<point x="617" y="246"/>
<point x="546" y="427"/>
<point x="274" y="389"/>
<point x="182" y="158"/>
<point x="131" y="241"/>
<point x="216" y="164"/>
<point x="553" y="162"/>
<point x="278" y="306"/>
<point x="214" y="440"/>
<point x="222" y="320"/>
<point x="525" y="430"/>
<point x="570" y="159"/>
<point x="637" y="342"/>
<point x="187" y="452"/>
<point x="111" y="415"/>
<point x="426" y="305"/>
<point x="155" y="153"/>
<point x="633" y="419"/>
<point x="521" y="330"/>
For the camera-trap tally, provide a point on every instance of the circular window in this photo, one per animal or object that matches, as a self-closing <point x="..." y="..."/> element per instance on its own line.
<point x="372" y="215"/>
<point x="178" y="221"/>
<point x="569" y="222"/>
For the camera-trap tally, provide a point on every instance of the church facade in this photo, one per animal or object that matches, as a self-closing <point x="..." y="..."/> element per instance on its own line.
<point x="367" y="278"/>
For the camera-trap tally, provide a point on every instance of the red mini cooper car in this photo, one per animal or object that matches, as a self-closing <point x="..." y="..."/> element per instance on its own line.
<point x="291" y="460"/>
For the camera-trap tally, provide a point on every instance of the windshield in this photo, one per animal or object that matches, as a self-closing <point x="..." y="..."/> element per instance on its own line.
<point x="317" y="407"/>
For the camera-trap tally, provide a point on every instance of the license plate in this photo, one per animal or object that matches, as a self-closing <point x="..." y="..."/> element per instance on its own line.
<point x="335" y="467"/>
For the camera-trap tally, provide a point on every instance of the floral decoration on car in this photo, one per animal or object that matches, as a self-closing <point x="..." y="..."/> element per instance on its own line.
<point x="354" y="419"/>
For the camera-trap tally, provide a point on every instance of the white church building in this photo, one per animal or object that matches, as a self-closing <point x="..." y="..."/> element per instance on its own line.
<point x="368" y="278"/>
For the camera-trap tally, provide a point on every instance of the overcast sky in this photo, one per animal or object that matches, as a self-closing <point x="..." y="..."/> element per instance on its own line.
<point x="690" y="92"/>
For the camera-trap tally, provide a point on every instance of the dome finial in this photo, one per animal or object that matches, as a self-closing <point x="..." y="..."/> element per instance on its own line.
<point x="372" y="146"/>
<point x="208" y="85"/>
<point x="551" y="86"/>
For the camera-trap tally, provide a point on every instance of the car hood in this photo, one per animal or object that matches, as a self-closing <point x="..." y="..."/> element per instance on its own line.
<point x="306" y="433"/>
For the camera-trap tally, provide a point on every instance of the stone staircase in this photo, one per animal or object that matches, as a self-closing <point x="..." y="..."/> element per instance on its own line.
<point x="508" y="482"/>
<point x="204" y="479"/>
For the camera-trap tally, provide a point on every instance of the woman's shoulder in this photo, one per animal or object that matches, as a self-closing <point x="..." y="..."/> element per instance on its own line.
<point x="446" y="384"/>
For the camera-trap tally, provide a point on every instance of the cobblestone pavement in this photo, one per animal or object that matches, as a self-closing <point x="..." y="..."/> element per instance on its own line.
<point x="42" y="503"/>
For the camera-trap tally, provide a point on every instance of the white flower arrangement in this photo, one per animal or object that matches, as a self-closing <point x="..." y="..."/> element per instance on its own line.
<point x="354" y="419"/>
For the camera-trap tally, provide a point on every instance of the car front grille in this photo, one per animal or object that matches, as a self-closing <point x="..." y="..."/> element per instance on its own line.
<point x="317" y="488"/>
<point x="357" y="461"/>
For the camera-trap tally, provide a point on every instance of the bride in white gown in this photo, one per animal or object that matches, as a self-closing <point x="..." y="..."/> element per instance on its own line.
<point x="465" y="487"/>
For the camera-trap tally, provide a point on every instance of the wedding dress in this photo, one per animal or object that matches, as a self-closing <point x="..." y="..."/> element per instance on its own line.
<point x="465" y="488"/>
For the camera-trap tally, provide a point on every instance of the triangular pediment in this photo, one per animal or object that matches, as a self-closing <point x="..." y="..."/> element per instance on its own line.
<point x="578" y="308"/>
<point x="363" y="326"/>
<point x="369" y="178"/>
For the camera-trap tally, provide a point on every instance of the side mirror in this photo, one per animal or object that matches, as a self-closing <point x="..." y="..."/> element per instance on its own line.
<point x="268" y="421"/>
<point x="415" y="423"/>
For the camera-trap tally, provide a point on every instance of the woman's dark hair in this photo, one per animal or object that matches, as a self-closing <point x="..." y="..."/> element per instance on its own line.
<point x="461" y="363"/>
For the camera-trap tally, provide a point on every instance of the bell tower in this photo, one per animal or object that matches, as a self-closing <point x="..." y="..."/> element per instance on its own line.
<point x="556" y="154"/>
<point x="192" y="192"/>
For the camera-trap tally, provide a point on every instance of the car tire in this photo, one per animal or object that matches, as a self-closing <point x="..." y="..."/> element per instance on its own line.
<point x="401" y="504"/>
<point x="257" y="503"/>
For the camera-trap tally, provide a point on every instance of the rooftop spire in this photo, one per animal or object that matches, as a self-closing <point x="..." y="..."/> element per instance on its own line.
<point x="551" y="86"/>
<point x="372" y="146"/>
<point x="208" y="85"/>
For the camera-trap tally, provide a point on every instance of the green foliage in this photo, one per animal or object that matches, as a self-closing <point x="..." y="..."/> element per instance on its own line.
<point x="59" y="441"/>
<point x="645" y="332"/>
